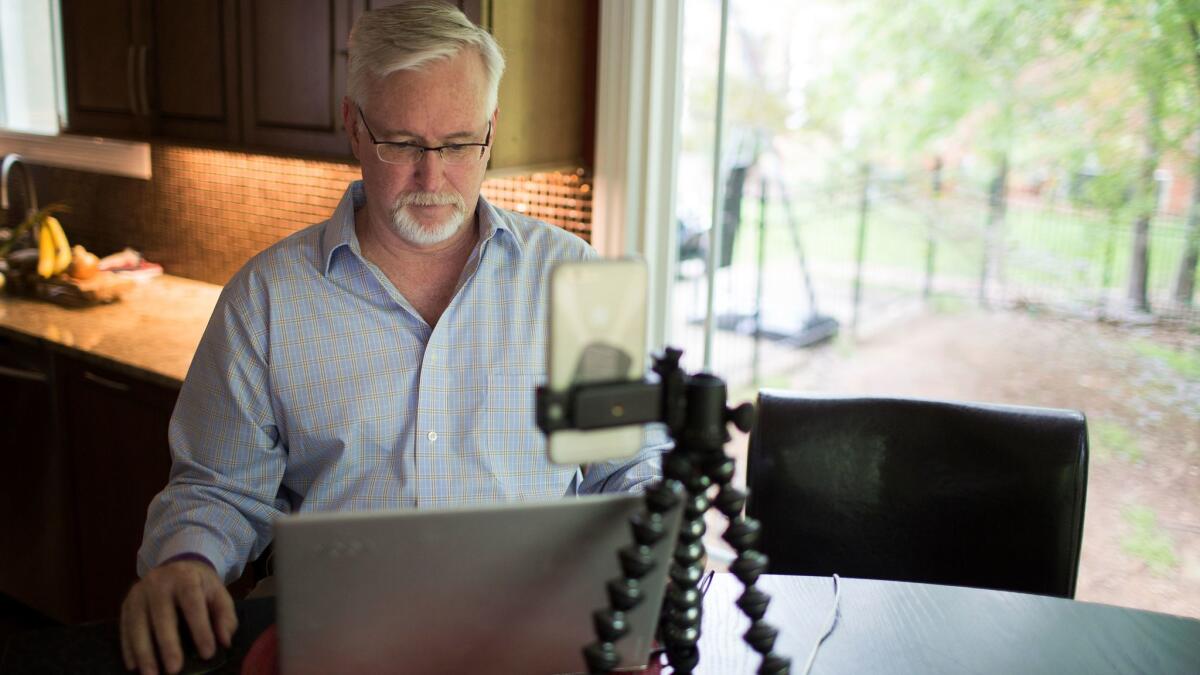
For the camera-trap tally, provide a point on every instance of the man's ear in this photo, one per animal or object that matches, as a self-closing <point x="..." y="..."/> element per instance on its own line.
<point x="495" y="123"/>
<point x="350" y="124"/>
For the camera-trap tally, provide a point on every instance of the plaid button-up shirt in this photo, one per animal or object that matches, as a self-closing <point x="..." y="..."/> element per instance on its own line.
<point x="317" y="386"/>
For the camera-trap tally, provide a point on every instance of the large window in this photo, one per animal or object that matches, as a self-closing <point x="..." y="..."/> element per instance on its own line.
<point x="970" y="200"/>
<point x="33" y="98"/>
<point x="30" y="74"/>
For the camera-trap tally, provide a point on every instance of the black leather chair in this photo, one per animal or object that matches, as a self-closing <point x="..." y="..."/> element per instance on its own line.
<point x="960" y="494"/>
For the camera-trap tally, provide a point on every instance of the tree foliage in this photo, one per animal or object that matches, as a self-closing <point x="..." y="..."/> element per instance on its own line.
<point x="1107" y="87"/>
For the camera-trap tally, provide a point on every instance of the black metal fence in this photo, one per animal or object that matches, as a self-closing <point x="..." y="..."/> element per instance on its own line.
<point x="871" y="248"/>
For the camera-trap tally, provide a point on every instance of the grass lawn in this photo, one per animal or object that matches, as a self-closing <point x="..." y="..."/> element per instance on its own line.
<point x="1043" y="246"/>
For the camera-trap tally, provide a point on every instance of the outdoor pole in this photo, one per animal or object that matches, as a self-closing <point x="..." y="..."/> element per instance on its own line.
<point x="758" y="292"/>
<point x="863" y="210"/>
<point x="989" y="264"/>
<point x="715" y="232"/>
<point x="1106" y="274"/>
<point x="930" y="242"/>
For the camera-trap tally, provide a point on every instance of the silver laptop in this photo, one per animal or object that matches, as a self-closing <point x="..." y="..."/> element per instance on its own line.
<point x="499" y="589"/>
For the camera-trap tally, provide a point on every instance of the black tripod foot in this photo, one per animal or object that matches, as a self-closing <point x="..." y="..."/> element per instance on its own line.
<point x="601" y="657"/>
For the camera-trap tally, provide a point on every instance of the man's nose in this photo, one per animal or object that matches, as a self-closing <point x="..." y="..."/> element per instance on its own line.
<point x="427" y="172"/>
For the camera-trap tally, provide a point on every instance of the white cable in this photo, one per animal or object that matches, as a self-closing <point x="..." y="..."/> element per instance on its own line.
<point x="829" y="624"/>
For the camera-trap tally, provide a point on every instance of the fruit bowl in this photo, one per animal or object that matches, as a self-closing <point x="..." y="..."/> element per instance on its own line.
<point x="68" y="291"/>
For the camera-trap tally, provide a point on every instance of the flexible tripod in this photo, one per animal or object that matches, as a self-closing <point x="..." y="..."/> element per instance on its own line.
<point x="694" y="411"/>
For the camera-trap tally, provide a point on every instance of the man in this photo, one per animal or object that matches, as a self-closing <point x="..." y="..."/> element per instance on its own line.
<point x="385" y="358"/>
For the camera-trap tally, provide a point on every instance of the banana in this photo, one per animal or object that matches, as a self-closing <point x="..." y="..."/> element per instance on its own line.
<point x="62" y="249"/>
<point x="46" y="253"/>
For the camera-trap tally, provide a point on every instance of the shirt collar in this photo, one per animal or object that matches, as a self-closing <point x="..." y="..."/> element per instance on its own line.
<point x="339" y="230"/>
<point x="493" y="220"/>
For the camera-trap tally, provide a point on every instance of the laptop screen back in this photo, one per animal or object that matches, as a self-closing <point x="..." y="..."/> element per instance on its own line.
<point x="500" y="589"/>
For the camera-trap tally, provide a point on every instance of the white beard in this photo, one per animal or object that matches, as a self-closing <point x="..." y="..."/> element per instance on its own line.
<point x="411" y="230"/>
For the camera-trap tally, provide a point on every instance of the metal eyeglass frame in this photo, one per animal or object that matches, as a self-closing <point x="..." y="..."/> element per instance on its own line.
<point x="487" y="141"/>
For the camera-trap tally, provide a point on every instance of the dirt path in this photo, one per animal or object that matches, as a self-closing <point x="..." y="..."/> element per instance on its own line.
<point x="1141" y="544"/>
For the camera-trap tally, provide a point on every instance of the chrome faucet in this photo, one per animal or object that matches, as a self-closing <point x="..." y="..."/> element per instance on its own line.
<point x="10" y="161"/>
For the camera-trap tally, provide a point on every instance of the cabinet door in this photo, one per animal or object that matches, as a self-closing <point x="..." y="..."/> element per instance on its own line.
<point x="103" y="62"/>
<point x="294" y="74"/>
<point x="547" y="96"/>
<point x="38" y="561"/>
<point x="191" y="86"/>
<point x="116" y="436"/>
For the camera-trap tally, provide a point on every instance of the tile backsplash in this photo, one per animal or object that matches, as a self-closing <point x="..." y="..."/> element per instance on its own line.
<point x="206" y="212"/>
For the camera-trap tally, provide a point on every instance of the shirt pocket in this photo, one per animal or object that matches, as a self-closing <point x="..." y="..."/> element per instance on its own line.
<point x="513" y="448"/>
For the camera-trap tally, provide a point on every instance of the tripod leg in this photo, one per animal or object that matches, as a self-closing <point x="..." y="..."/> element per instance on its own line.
<point x="683" y="611"/>
<point x="625" y="592"/>
<point x="743" y="534"/>
<point x="693" y="408"/>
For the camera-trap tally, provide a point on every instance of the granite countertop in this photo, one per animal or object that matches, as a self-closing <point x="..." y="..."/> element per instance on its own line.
<point x="152" y="332"/>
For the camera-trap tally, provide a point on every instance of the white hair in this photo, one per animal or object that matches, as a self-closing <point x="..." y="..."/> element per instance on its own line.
<point x="410" y="35"/>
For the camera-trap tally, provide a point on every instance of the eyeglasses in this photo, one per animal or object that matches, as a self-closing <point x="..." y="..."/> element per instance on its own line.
<point x="407" y="154"/>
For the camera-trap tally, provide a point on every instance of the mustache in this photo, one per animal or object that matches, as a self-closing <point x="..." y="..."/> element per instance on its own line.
<point x="430" y="199"/>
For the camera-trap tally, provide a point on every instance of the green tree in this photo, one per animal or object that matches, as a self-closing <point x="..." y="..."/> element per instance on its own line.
<point x="1032" y="81"/>
<point x="1185" y="277"/>
<point x="924" y="72"/>
<point x="1149" y="46"/>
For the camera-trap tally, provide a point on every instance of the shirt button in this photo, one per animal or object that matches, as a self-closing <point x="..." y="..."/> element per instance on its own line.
<point x="432" y="436"/>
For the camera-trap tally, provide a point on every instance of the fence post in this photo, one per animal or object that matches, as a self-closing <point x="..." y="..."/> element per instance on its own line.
<point x="930" y="239"/>
<point x="997" y="203"/>
<point x="863" y="209"/>
<point x="1109" y="256"/>
<point x="758" y="291"/>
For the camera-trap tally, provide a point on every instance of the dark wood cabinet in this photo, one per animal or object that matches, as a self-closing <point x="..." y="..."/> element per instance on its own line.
<point x="293" y="61"/>
<point x="102" y="53"/>
<point x="38" y="561"/>
<point x="85" y="450"/>
<point x="152" y="68"/>
<point x="270" y="74"/>
<point x="191" y="83"/>
<point x="115" y="434"/>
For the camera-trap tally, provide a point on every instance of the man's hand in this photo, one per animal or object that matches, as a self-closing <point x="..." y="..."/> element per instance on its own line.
<point x="148" y="615"/>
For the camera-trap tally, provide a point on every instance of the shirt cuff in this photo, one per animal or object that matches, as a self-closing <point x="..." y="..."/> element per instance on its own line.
<point x="188" y="556"/>
<point x="189" y="542"/>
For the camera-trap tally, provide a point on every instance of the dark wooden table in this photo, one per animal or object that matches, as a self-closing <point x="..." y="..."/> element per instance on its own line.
<point x="883" y="627"/>
<point x="892" y="627"/>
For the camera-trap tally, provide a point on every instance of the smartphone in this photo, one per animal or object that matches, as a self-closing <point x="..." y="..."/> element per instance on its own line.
<point x="597" y="333"/>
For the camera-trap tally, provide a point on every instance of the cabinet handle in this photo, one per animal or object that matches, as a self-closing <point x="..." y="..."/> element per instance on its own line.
<point x="129" y="82"/>
<point x="19" y="374"/>
<point x="104" y="381"/>
<point x="142" y="78"/>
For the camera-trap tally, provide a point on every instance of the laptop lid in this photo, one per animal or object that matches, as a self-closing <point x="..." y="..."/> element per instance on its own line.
<point x="498" y="589"/>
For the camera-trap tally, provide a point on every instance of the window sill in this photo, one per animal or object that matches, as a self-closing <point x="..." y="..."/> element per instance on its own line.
<point x="83" y="153"/>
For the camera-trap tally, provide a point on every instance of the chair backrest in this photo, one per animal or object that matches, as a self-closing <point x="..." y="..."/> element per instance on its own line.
<point x="939" y="492"/>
